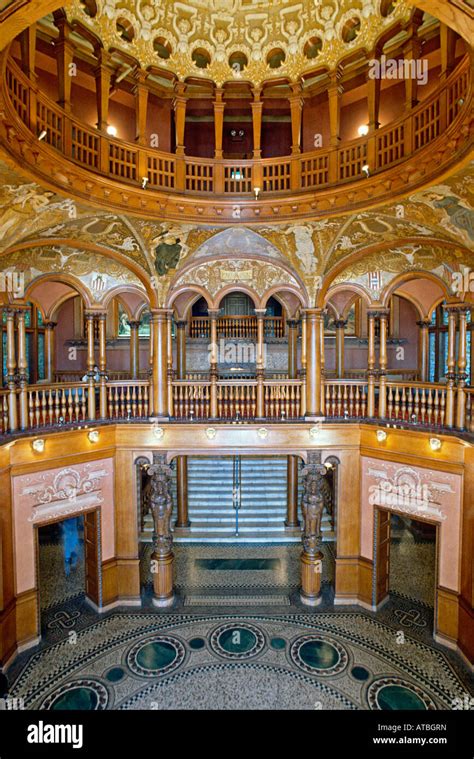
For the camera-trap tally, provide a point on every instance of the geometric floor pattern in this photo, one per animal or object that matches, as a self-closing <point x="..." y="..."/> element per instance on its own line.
<point x="337" y="660"/>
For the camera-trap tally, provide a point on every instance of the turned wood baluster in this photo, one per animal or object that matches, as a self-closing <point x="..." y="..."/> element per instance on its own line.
<point x="37" y="409"/>
<point x="50" y="407"/>
<point x="31" y="407"/>
<point x="63" y="404"/>
<point x="364" y="402"/>
<point x="76" y="404"/>
<point x="416" y="408"/>
<point x="442" y="410"/>
<point x="390" y="403"/>
<point x="110" y="400"/>
<point x="410" y="403"/>
<point x="423" y="405"/>
<point x="430" y="406"/>
<point x="436" y="408"/>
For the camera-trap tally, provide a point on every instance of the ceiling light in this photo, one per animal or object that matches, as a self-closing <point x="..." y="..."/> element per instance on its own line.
<point x="112" y="130"/>
<point x="381" y="436"/>
<point x="435" y="444"/>
<point x="38" y="445"/>
<point x="363" y="130"/>
<point x="329" y="465"/>
<point x="93" y="436"/>
<point x="42" y="134"/>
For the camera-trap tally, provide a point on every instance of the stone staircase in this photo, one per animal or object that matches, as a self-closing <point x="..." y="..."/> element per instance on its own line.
<point x="261" y="518"/>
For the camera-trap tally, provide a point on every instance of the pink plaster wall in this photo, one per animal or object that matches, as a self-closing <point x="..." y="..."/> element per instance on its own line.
<point x="45" y="497"/>
<point x="436" y="496"/>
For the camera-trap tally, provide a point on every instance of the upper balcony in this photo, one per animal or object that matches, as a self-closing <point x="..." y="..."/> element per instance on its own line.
<point x="59" y="148"/>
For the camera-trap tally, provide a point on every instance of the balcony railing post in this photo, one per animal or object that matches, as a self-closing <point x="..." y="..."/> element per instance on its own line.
<point x="103" y="154"/>
<point x="219" y="178"/>
<point x="142" y="162"/>
<point x="180" y="173"/>
<point x="260" y="395"/>
<point x="295" y="173"/>
<point x="214" y="410"/>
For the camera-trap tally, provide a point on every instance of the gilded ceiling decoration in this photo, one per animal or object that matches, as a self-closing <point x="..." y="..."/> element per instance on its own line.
<point x="228" y="40"/>
<point x="257" y="275"/>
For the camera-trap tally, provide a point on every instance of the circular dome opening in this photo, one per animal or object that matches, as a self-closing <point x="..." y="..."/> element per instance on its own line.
<point x="238" y="61"/>
<point x="275" y="58"/>
<point x="125" y="29"/>
<point x="89" y="7"/>
<point x="351" y="29"/>
<point x="386" y="8"/>
<point x="162" y="47"/>
<point x="313" y="47"/>
<point x="201" y="58"/>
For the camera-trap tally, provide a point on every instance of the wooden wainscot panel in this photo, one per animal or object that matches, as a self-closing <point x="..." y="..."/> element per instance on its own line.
<point x="7" y="632"/>
<point x="128" y="580"/>
<point x="109" y="582"/>
<point x="347" y="580"/>
<point x="27" y="617"/>
<point x="447" y="622"/>
<point x="466" y="630"/>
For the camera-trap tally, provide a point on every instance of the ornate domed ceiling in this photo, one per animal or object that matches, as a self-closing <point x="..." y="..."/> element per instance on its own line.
<point x="249" y="40"/>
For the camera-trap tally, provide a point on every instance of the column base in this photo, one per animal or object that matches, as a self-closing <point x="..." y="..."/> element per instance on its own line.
<point x="161" y="603"/>
<point x="310" y="600"/>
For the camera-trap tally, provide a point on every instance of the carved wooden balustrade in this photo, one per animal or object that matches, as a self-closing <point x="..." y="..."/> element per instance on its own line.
<point x="417" y="403"/>
<point x="345" y="399"/>
<point x="323" y="169"/>
<point x="64" y="403"/>
<point x="128" y="399"/>
<point x="420" y="403"/>
<point x="236" y="326"/>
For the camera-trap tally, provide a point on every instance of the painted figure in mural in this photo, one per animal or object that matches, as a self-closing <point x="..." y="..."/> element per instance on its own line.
<point x="459" y="216"/>
<point x="312" y="507"/>
<point x="167" y="254"/>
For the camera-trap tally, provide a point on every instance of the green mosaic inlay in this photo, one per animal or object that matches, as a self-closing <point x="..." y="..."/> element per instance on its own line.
<point x="84" y="699"/>
<point x="238" y="640"/>
<point x="394" y="697"/>
<point x="238" y="564"/>
<point x="115" y="674"/>
<point x="360" y="673"/>
<point x="156" y="655"/>
<point x="278" y="643"/>
<point x="319" y="654"/>
<point x="197" y="643"/>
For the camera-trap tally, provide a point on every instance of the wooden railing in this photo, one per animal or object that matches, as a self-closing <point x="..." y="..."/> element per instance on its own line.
<point x="417" y="402"/>
<point x="64" y="403"/>
<point x="258" y="398"/>
<point x="328" y="167"/>
<point x="236" y="326"/>
<point x="345" y="399"/>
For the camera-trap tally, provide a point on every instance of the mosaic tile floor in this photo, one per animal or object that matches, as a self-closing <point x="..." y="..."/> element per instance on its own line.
<point x="218" y="654"/>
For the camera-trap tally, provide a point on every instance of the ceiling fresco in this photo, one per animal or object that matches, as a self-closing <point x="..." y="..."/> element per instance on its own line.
<point x="225" y="40"/>
<point x="433" y="230"/>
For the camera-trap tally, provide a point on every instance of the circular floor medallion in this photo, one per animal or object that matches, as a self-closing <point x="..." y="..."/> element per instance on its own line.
<point x="80" y="695"/>
<point x="197" y="643"/>
<point x="237" y="640"/>
<point x="319" y="656"/>
<point x="156" y="656"/>
<point x="393" y="694"/>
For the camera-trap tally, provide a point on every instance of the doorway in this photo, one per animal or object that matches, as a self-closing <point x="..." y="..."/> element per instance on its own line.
<point x="68" y="562"/>
<point x="405" y="559"/>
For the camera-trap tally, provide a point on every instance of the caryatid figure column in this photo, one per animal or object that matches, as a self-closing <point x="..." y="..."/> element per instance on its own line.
<point x="312" y="506"/>
<point x="162" y="558"/>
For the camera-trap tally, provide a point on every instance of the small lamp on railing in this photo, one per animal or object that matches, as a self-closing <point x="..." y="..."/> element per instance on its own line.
<point x="144" y="182"/>
<point x="363" y="130"/>
<point x="366" y="170"/>
<point x="256" y="192"/>
<point x="111" y="130"/>
<point x="42" y="134"/>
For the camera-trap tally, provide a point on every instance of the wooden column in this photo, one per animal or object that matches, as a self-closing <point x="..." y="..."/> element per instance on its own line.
<point x="335" y="91"/>
<point x="182" y="492"/>
<point x="296" y="108"/>
<point x="292" y="325"/>
<point x="22" y="369"/>
<point x="179" y="105"/>
<point x="219" y="107"/>
<point x="451" y="365"/>
<point x="49" y="351"/>
<point x="313" y="362"/>
<point x="340" y="327"/>
<point x="260" y="368"/>
<point x="102" y="74"/>
<point x="102" y="322"/>
<point x="28" y="51"/>
<point x="169" y="356"/>
<point x="150" y="362"/>
<point x="11" y="370"/>
<point x="134" y="349"/>
<point x="373" y="101"/>
<point x="181" y="325"/>
<point x="461" y="368"/>
<point x="213" y="369"/>
<point x="371" y="365"/>
<point x="448" y="51"/>
<point x="90" y="325"/>
<point x="412" y="52"/>
<point x="160" y="363"/>
<point x="423" y="350"/>
<point x="64" y="50"/>
<point x="140" y="91"/>
<point x="383" y="316"/>
<point x="257" y="108"/>
<point x="292" y="492"/>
